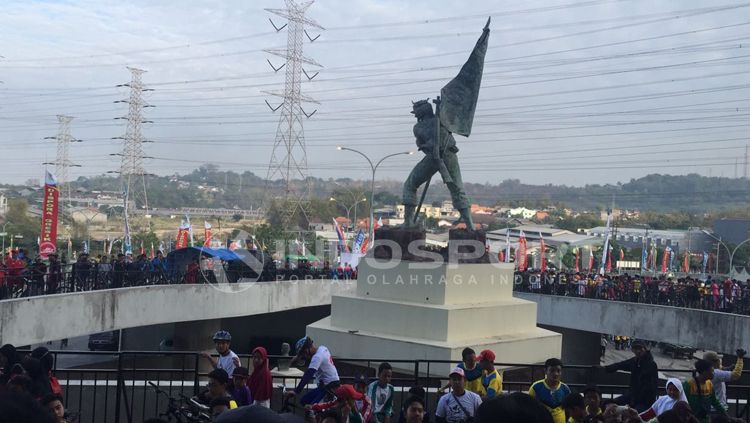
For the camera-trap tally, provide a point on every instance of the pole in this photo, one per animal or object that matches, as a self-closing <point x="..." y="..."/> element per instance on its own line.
<point x="717" y="256"/>
<point x="374" y="168"/>
<point x="731" y="258"/>
<point x="371" y="223"/>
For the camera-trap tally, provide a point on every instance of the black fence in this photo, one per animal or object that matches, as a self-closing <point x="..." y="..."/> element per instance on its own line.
<point x="120" y="386"/>
<point x="31" y="284"/>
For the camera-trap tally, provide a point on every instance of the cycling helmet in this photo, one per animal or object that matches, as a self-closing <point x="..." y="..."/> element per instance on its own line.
<point x="305" y="341"/>
<point x="222" y="335"/>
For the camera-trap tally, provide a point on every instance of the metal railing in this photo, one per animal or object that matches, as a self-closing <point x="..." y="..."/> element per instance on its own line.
<point x="30" y="284"/>
<point x="116" y="389"/>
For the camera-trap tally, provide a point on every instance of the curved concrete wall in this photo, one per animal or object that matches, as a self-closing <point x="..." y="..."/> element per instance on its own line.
<point x="710" y="330"/>
<point x="39" y="319"/>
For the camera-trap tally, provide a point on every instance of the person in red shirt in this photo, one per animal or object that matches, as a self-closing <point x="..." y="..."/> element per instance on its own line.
<point x="346" y="395"/>
<point x="191" y="275"/>
<point x="3" y="290"/>
<point x="15" y="267"/>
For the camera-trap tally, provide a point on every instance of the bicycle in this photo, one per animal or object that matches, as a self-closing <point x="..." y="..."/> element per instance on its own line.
<point x="183" y="409"/>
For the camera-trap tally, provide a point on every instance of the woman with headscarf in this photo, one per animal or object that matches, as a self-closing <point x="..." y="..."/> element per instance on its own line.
<point x="665" y="403"/>
<point x="260" y="381"/>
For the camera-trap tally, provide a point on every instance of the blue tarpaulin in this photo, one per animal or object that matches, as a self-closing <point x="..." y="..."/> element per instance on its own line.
<point x="179" y="259"/>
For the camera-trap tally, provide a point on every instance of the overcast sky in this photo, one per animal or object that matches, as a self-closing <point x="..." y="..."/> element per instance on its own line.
<point x="574" y="91"/>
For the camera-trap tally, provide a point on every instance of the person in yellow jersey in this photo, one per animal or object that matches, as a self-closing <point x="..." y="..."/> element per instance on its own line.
<point x="472" y="371"/>
<point x="593" y="399"/>
<point x="492" y="380"/>
<point x="550" y="391"/>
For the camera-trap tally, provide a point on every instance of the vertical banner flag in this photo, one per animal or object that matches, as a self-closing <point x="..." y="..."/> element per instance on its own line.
<point x="578" y="260"/>
<point x="501" y="256"/>
<point x="208" y="234"/>
<point x="342" y="239"/>
<point x="522" y="259"/>
<point x="543" y="255"/>
<point x="671" y="259"/>
<point x="591" y="259"/>
<point x="507" y="245"/>
<point x="608" y="267"/>
<point x="190" y="230"/>
<point x="153" y="253"/>
<point x="605" y="251"/>
<point x="85" y="247"/>
<point x="644" y="258"/>
<point x="665" y="260"/>
<point x="705" y="261"/>
<point x="182" y="236"/>
<point x="622" y="254"/>
<point x="358" y="240"/>
<point x="48" y="238"/>
<point x="654" y="253"/>
<point x="686" y="263"/>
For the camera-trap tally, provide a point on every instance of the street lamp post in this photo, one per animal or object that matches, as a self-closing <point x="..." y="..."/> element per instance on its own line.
<point x="731" y="253"/>
<point x="372" y="185"/>
<point x="89" y="219"/>
<point x="4" y="234"/>
<point x="349" y="209"/>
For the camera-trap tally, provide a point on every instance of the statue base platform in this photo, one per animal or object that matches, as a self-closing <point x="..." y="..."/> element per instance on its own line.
<point x="402" y="243"/>
<point x="432" y="311"/>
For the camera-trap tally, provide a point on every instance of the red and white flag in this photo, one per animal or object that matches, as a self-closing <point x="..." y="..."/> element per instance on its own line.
<point x="521" y="252"/>
<point x="182" y="236"/>
<point x="208" y="234"/>
<point x="543" y="254"/>
<point x="48" y="237"/>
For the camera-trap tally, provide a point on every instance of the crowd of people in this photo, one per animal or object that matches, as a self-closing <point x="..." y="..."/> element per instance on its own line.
<point x="24" y="276"/>
<point x="20" y="275"/>
<point x="474" y="392"/>
<point x="712" y="293"/>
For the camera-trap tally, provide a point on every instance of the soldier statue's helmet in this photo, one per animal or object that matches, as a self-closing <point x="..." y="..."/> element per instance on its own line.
<point x="421" y="108"/>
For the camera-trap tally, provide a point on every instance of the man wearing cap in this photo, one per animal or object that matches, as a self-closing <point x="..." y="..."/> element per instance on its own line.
<point x="643" y="377"/>
<point x="492" y="380"/>
<point x="722" y="376"/>
<point x="240" y="391"/>
<point x="460" y="405"/>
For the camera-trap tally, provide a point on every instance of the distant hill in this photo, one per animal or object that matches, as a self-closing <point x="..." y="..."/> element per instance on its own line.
<point x="208" y="186"/>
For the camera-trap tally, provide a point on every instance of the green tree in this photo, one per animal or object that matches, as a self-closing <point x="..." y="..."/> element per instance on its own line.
<point x="21" y="225"/>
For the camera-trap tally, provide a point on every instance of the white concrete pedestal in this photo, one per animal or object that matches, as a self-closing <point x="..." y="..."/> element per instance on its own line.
<point x="429" y="311"/>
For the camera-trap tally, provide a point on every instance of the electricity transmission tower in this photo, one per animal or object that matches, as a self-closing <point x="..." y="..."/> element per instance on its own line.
<point x="289" y="157"/>
<point x="62" y="162"/>
<point x="131" y="167"/>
